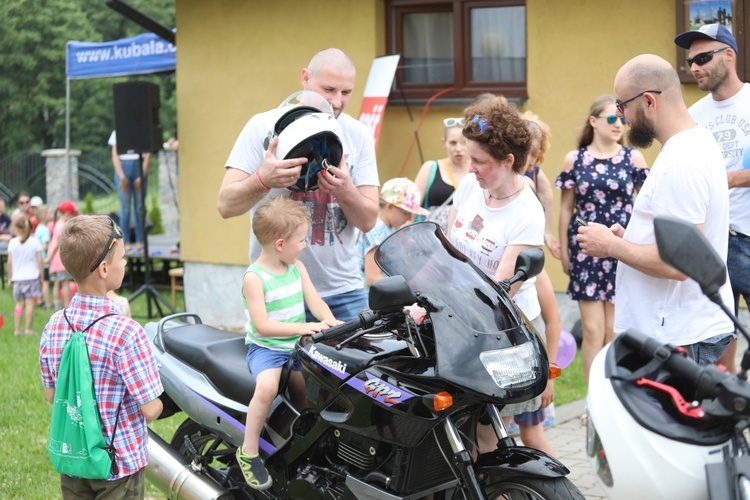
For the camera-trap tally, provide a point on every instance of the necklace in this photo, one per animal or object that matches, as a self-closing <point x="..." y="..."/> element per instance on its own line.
<point x="503" y="197"/>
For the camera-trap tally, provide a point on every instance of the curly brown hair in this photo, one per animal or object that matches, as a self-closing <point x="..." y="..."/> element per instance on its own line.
<point x="494" y="123"/>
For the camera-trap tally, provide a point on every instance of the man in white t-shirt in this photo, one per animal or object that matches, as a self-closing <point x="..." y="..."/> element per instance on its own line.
<point x="687" y="181"/>
<point x="725" y="112"/>
<point x="346" y="199"/>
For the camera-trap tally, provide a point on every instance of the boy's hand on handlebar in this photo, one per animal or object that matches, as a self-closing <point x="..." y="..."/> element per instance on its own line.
<point x="331" y="322"/>
<point x="310" y="328"/>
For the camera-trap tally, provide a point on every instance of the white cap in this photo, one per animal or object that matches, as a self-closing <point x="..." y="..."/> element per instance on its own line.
<point x="36" y="201"/>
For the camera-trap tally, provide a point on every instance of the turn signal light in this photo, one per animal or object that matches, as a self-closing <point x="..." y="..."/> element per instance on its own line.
<point x="554" y="370"/>
<point x="442" y="401"/>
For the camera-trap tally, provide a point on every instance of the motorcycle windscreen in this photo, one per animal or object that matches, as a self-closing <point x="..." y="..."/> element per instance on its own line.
<point x="473" y="316"/>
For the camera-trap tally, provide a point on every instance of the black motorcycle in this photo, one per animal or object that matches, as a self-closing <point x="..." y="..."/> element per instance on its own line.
<point x="393" y="402"/>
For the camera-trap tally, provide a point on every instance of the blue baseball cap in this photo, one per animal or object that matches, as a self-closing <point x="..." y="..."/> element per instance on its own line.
<point x="707" y="32"/>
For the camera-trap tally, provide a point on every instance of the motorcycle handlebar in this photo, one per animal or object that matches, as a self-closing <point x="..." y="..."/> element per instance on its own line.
<point x="704" y="379"/>
<point x="365" y="319"/>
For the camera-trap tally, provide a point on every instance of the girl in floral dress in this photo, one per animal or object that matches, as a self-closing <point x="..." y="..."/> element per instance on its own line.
<point x="598" y="183"/>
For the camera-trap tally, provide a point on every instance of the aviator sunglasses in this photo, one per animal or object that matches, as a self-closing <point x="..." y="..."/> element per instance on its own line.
<point x="703" y="57"/>
<point x="611" y="119"/>
<point x="116" y="235"/>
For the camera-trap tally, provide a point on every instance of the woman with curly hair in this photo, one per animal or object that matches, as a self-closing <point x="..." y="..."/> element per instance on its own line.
<point x="598" y="182"/>
<point x="495" y="216"/>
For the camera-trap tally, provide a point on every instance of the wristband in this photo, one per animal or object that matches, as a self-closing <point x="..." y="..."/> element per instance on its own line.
<point x="257" y="176"/>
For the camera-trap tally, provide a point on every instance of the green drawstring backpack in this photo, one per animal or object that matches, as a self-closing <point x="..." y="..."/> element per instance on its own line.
<point x="76" y="440"/>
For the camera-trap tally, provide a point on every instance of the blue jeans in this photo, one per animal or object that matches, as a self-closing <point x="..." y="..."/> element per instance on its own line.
<point x="131" y="168"/>
<point x="344" y="306"/>
<point x="738" y="265"/>
<point x="710" y="350"/>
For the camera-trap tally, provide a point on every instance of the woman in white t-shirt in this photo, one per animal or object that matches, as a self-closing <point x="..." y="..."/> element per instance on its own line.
<point x="495" y="216"/>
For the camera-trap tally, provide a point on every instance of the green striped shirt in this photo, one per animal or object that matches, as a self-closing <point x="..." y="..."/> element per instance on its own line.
<point x="284" y="303"/>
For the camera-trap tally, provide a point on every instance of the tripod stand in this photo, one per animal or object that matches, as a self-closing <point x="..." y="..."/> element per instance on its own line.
<point x="152" y="295"/>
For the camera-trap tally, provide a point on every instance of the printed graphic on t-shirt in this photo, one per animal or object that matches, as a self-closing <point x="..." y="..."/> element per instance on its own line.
<point x="730" y="132"/>
<point x="328" y="220"/>
<point x="477" y="242"/>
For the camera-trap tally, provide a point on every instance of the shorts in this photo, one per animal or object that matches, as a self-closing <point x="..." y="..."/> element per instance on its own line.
<point x="710" y="350"/>
<point x="261" y="358"/>
<point x="344" y="306"/>
<point x="27" y="289"/>
<point x="46" y="274"/>
<point x="61" y="276"/>
<point x="132" y="486"/>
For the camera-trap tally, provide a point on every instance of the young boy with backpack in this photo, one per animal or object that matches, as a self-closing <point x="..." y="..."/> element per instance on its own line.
<point x="124" y="375"/>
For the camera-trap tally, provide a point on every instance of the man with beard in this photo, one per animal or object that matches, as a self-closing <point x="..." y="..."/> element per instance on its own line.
<point x="725" y="112"/>
<point x="687" y="181"/>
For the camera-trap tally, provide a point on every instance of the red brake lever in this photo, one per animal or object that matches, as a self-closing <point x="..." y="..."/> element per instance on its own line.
<point x="683" y="406"/>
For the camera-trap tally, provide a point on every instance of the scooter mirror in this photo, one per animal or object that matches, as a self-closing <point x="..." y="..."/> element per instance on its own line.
<point x="683" y="246"/>
<point x="529" y="263"/>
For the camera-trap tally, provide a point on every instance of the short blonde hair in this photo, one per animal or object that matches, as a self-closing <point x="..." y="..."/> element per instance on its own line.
<point x="278" y="218"/>
<point x="82" y="242"/>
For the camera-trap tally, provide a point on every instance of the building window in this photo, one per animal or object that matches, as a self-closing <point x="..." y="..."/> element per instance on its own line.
<point x="469" y="47"/>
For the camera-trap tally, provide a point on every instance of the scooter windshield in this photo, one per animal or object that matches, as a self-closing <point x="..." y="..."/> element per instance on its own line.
<point x="433" y="267"/>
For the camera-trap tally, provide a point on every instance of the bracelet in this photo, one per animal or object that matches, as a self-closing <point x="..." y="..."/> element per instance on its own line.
<point x="257" y="176"/>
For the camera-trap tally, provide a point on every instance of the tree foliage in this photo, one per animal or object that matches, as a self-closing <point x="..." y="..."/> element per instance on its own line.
<point x="33" y="37"/>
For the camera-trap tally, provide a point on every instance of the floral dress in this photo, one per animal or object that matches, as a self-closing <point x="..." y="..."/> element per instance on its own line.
<point x="604" y="191"/>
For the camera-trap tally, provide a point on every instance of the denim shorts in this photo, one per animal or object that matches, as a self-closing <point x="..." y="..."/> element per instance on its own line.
<point x="710" y="350"/>
<point x="260" y="358"/>
<point x="344" y="306"/>
<point x="738" y="265"/>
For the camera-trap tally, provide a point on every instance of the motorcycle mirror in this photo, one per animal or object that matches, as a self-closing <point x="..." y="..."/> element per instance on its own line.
<point x="683" y="246"/>
<point x="389" y="295"/>
<point x="529" y="263"/>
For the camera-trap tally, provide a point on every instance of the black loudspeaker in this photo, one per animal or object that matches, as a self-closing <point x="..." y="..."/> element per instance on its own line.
<point x="137" y="117"/>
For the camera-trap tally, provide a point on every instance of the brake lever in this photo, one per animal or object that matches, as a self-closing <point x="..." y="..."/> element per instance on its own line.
<point x="378" y="326"/>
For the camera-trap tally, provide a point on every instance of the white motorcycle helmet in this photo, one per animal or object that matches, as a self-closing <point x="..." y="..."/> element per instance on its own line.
<point x="307" y="128"/>
<point x="639" y="445"/>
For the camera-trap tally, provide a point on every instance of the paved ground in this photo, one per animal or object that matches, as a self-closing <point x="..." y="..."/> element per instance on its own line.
<point x="568" y="436"/>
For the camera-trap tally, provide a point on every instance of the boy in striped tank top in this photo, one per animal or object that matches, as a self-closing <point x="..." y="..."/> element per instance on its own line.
<point x="275" y="289"/>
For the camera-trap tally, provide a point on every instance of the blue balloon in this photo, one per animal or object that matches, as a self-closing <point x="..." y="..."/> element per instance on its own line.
<point x="567" y="350"/>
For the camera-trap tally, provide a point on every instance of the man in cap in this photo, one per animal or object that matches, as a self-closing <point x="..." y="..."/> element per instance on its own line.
<point x="725" y="112"/>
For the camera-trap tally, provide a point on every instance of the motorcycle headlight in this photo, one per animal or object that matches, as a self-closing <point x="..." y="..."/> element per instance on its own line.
<point x="516" y="366"/>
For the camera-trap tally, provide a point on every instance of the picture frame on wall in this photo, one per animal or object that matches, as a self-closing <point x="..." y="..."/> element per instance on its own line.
<point x="692" y="14"/>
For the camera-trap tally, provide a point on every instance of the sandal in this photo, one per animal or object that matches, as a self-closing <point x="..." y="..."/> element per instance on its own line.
<point x="29" y="333"/>
<point x="254" y="471"/>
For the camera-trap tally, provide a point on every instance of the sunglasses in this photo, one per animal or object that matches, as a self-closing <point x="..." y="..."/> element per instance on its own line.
<point x="621" y="105"/>
<point x="703" y="57"/>
<point x="611" y="119"/>
<point x="453" y="122"/>
<point x="23" y="202"/>
<point x="116" y="235"/>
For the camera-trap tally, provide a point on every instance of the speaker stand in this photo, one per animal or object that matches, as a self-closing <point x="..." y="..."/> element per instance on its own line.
<point x="147" y="288"/>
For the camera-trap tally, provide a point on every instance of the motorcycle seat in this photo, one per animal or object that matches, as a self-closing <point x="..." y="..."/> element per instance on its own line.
<point x="219" y="354"/>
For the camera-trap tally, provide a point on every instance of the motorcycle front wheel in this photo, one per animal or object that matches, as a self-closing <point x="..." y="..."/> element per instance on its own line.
<point x="533" y="488"/>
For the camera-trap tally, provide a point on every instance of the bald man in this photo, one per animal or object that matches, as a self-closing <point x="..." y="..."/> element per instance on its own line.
<point x="347" y="198"/>
<point x="688" y="182"/>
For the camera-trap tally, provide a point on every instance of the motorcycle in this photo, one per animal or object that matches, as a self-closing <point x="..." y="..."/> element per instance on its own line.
<point x="660" y="425"/>
<point x="392" y="402"/>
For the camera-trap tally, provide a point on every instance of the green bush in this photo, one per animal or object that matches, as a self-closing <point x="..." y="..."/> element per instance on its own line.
<point x="88" y="204"/>
<point x="154" y="215"/>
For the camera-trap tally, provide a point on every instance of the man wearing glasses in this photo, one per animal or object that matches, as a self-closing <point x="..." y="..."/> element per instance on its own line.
<point x="725" y="112"/>
<point x="687" y="181"/>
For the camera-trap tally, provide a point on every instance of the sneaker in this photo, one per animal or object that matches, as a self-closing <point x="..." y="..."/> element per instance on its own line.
<point x="254" y="471"/>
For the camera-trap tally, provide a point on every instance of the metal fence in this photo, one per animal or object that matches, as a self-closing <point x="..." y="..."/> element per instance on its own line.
<point x="25" y="171"/>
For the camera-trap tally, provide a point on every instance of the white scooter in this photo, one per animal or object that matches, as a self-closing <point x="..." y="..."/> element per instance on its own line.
<point x="660" y="425"/>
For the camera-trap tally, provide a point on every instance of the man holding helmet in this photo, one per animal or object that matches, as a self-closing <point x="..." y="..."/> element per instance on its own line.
<point x="341" y="198"/>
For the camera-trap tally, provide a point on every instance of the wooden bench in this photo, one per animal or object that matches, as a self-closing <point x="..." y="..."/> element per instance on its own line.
<point x="176" y="276"/>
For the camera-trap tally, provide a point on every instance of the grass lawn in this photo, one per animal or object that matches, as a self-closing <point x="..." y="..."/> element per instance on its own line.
<point x="25" y="469"/>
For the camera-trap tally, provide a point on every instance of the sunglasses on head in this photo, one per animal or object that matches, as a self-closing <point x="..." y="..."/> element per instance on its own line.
<point x="703" y="57"/>
<point x="453" y="122"/>
<point x="116" y="235"/>
<point x="611" y="119"/>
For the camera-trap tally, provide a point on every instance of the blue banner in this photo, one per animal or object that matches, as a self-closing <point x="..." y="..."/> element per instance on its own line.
<point x="138" y="55"/>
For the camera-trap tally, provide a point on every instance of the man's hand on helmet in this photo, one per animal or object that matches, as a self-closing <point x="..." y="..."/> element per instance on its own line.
<point x="276" y="173"/>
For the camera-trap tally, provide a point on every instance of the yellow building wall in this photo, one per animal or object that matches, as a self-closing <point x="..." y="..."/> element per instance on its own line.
<point x="239" y="57"/>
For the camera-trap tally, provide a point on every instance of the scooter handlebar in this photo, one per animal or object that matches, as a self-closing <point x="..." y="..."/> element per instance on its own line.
<point x="704" y="379"/>
<point x="365" y="319"/>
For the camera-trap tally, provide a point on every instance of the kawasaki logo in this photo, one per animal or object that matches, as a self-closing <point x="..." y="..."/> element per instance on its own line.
<point x="331" y="363"/>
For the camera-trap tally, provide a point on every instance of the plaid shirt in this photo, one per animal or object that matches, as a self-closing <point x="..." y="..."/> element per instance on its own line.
<point x="122" y="366"/>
